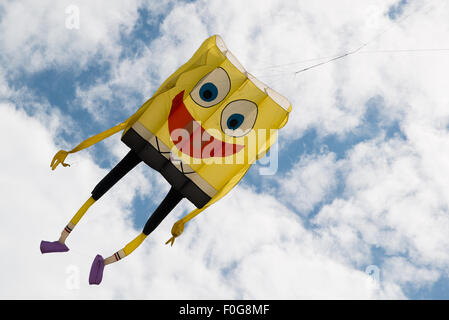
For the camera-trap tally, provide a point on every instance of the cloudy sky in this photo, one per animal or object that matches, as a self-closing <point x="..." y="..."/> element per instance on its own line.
<point x="358" y="207"/>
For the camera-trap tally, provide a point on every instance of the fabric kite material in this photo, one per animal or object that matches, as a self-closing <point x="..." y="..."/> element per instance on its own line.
<point x="202" y="130"/>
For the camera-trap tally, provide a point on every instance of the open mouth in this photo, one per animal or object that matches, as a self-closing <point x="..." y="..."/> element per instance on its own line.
<point x="191" y="138"/>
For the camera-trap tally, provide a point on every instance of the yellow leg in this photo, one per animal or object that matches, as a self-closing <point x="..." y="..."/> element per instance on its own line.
<point x="76" y="218"/>
<point x="130" y="247"/>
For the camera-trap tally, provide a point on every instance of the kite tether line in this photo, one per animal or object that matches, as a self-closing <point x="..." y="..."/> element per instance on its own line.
<point x="381" y="33"/>
<point x="333" y="59"/>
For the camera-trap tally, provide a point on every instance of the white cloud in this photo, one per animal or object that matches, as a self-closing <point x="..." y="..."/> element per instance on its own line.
<point x="402" y="271"/>
<point x="309" y="182"/>
<point x="135" y="78"/>
<point x="394" y="199"/>
<point x="35" y="37"/>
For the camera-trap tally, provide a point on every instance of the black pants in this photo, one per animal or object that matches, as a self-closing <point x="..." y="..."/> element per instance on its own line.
<point x="129" y="162"/>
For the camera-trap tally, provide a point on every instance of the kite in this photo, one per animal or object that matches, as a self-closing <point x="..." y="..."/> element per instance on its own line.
<point x="202" y="130"/>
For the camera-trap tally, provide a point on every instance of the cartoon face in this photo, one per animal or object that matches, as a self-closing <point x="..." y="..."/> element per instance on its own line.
<point x="212" y="116"/>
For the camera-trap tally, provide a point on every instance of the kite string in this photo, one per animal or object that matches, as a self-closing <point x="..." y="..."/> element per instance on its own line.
<point x="333" y="59"/>
<point x="381" y="33"/>
<point x="281" y="73"/>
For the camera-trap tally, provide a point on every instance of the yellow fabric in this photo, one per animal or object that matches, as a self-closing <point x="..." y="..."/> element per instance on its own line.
<point x="213" y="63"/>
<point x="77" y="217"/>
<point x="61" y="155"/>
<point x="130" y="247"/>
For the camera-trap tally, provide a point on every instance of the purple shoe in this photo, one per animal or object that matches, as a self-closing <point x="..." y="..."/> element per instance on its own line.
<point x="96" y="271"/>
<point x="55" y="246"/>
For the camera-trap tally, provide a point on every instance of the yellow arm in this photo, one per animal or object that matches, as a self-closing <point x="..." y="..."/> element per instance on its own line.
<point x="178" y="227"/>
<point x="61" y="155"/>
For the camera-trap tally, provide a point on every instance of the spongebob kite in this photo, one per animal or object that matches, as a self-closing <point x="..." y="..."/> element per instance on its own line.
<point x="202" y="130"/>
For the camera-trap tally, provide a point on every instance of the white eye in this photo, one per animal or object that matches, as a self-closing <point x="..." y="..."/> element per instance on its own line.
<point x="238" y="118"/>
<point x="212" y="89"/>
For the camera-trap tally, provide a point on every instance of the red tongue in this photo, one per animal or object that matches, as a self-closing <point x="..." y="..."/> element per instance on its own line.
<point x="191" y="138"/>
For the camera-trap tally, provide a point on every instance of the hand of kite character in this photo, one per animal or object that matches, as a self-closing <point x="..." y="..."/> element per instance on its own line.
<point x="176" y="231"/>
<point x="59" y="159"/>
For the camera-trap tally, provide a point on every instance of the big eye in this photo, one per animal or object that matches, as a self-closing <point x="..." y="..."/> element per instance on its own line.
<point x="238" y="118"/>
<point x="212" y="89"/>
<point x="208" y="92"/>
<point x="235" y="121"/>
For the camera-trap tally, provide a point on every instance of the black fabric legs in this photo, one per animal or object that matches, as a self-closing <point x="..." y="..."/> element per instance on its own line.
<point x="119" y="171"/>
<point x="167" y="205"/>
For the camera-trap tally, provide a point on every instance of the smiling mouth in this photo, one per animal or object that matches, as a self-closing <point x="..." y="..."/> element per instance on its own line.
<point x="191" y="138"/>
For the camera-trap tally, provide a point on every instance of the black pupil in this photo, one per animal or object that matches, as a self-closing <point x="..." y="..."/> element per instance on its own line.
<point x="233" y="123"/>
<point x="207" y="94"/>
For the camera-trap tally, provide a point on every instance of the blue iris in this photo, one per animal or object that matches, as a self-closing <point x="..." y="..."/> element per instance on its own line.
<point x="208" y="92"/>
<point x="235" y="121"/>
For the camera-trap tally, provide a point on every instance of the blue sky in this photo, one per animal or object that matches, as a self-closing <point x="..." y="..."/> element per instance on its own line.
<point x="348" y="119"/>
